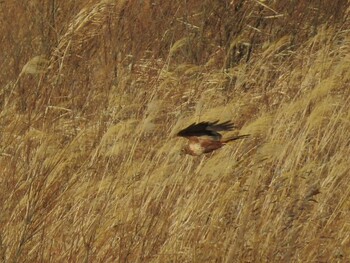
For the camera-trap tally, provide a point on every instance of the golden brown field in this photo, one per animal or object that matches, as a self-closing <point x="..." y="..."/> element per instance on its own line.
<point x="93" y="93"/>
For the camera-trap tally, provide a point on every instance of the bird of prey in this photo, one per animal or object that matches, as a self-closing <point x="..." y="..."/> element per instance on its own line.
<point x="203" y="137"/>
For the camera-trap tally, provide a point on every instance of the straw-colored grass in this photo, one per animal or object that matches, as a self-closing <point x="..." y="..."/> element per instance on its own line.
<point x="93" y="93"/>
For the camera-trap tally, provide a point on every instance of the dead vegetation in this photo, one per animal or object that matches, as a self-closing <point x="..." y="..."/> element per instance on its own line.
<point x="92" y="93"/>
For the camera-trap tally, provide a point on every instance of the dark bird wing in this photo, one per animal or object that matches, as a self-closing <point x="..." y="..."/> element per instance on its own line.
<point x="206" y="129"/>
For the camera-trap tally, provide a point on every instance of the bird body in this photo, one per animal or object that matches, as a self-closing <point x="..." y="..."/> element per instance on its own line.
<point x="203" y="137"/>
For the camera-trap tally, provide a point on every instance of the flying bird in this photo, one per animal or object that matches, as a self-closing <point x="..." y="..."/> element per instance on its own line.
<point x="203" y="137"/>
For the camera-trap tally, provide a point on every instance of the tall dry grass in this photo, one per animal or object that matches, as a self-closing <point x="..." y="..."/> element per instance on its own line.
<point x="92" y="94"/>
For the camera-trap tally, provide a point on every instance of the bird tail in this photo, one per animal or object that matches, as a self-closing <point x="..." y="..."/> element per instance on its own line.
<point x="236" y="138"/>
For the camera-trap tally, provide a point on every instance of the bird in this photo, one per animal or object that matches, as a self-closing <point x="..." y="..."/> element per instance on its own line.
<point x="204" y="137"/>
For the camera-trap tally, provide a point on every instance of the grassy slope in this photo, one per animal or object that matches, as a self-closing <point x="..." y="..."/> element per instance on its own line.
<point x="90" y="168"/>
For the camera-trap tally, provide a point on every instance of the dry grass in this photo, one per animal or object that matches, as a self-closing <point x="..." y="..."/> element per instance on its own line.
<point x="92" y="93"/>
